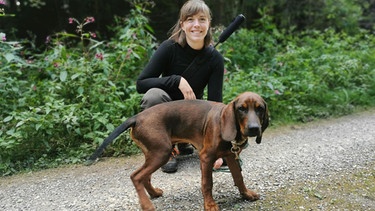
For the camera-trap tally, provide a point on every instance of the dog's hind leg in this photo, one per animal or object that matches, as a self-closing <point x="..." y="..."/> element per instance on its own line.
<point x="152" y="191"/>
<point x="153" y="162"/>
<point x="138" y="178"/>
<point x="141" y="178"/>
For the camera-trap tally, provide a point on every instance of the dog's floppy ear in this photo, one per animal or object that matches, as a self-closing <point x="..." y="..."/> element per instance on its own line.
<point x="265" y="122"/>
<point x="266" y="118"/>
<point x="228" y="123"/>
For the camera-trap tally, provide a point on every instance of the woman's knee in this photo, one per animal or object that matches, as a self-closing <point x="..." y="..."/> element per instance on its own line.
<point x="153" y="97"/>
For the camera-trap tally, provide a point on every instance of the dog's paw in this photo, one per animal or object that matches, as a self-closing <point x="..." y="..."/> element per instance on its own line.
<point x="156" y="193"/>
<point x="148" y="207"/>
<point x="211" y="206"/>
<point x="250" y="195"/>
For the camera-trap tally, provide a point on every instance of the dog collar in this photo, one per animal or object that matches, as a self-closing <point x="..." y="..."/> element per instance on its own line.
<point x="236" y="147"/>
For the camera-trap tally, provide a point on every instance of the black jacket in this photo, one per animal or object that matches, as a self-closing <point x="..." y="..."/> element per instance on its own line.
<point x="170" y="60"/>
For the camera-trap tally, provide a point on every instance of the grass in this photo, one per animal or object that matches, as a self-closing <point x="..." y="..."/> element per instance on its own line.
<point x="342" y="191"/>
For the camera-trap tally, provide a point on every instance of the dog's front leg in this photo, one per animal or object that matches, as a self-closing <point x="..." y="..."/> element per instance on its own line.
<point x="235" y="170"/>
<point x="206" y="170"/>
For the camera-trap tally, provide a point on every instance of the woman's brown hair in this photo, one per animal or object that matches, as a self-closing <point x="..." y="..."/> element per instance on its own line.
<point x="190" y="8"/>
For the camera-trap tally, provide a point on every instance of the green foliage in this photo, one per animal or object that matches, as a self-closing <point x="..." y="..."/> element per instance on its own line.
<point x="312" y="75"/>
<point x="59" y="105"/>
<point x="341" y="15"/>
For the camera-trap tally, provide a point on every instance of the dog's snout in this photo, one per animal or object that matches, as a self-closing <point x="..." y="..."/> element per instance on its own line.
<point x="253" y="130"/>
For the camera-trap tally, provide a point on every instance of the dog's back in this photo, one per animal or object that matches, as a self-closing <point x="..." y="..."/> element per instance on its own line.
<point x="181" y="121"/>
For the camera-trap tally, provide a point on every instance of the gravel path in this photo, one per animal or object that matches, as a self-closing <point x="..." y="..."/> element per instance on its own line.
<point x="286" y="156"/>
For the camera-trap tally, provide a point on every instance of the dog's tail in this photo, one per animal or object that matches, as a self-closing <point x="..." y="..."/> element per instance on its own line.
<point x="120" y="129"/>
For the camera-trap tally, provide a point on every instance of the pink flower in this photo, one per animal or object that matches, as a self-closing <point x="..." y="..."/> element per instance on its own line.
<point x="277" y="92"/>
<point x="71" y="20"/>
<point x="2" y="2"/>
<point x="3" y="36"/>
<point x="129" y="53"/>
<point x="55" y="64"/>
<point x="92" y="34"/>
<point x="48" y="39"/>
<point x="89" y="19"/>
<point x="99" y="56"/>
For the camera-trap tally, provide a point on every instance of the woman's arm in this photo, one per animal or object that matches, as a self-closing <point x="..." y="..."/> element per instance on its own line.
<point x="150" y="76"/>
<point x="215" y="82"/>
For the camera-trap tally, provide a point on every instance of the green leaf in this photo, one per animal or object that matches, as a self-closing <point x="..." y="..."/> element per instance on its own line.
<point x="75" y="76"/>
<point x="110" y="127"/>
<point x="80" y="90"/>
<point x="319" y="196"/>
<point x="63" y="75"/>
<point x="8" y="118"/>
<point x="20" y="123"/>
<point x="9" y="57"/>
<point x="37" y="126"/>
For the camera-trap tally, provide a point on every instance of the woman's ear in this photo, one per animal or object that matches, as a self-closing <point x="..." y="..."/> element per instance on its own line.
<point x="182" y="26"/>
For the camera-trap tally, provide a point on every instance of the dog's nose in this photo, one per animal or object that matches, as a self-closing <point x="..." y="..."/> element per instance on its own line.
<point x="253" y="130"/>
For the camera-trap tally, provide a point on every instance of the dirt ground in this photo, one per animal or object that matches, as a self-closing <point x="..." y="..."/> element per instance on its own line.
<point x="323" y="165"/>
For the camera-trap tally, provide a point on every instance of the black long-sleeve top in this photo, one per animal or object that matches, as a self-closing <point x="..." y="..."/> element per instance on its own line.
<point x="168" y="63"/>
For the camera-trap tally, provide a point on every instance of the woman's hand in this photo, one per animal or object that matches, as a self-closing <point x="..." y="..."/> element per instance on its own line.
<point x="186" y="90"/>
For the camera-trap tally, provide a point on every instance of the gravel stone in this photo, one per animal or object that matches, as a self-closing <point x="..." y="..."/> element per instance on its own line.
<point x="287" y="155"/>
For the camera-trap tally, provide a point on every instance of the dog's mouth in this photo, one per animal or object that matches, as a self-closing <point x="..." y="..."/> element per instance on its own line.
<point x="252" y="131"/>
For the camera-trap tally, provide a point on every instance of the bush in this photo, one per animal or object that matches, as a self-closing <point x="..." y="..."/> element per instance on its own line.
<point x="60" y="104"/>
<point x="312" y="75"/>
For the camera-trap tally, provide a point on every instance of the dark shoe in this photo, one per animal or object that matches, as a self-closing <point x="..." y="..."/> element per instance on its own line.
<point x="185" y="149"/>
<point x="224" y="162"/>
<point x="171" y="166"/>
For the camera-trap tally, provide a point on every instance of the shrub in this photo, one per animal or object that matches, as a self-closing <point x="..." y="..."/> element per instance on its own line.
<point x="60" y="104"/>
<point x="313" y="75"/>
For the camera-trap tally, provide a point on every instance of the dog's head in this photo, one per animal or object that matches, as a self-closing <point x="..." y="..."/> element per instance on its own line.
<point x="246" y="116"/>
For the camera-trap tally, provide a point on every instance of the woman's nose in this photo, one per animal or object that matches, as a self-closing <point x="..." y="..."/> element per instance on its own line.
<point x="196" y="22"/>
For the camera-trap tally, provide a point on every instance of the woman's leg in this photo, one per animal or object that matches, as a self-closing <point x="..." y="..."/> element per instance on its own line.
<point x="153" y="97"/>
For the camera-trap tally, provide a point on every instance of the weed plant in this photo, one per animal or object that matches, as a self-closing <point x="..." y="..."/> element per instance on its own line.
<point x="58" y="105"/>
<point x="302" y="77"/>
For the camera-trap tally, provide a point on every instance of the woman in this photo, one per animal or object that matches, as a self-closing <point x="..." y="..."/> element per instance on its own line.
<point x="164" y="78"/>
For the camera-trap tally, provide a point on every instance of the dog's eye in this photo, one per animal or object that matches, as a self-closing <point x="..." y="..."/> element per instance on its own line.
<point x="242" y="109"/>
<point x="259" y="109"/>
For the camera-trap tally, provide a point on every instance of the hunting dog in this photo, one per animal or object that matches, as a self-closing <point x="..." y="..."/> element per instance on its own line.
<point x="216" y="130"/>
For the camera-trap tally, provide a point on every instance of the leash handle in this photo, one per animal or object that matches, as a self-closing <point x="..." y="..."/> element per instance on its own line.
<point x="230" y="29"/>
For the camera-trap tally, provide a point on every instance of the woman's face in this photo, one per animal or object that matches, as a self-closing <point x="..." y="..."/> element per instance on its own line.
<point x="195" y="28"/>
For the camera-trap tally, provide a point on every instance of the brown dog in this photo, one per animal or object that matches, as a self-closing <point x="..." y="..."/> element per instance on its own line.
<point x="215" y="129"/>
